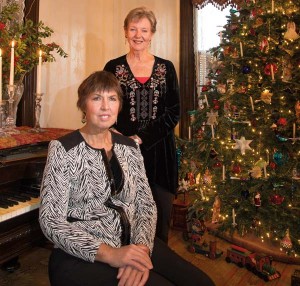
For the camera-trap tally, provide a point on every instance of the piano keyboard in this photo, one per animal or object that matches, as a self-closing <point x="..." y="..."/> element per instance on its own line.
<point x="19" y="209"/>
<point x="14" y="203"/>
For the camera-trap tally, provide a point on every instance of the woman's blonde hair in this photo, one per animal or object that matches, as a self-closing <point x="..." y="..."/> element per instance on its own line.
<point x="139" y="13"/>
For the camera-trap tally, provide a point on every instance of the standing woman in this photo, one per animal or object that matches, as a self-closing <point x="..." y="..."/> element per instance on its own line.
<point x="150" y="111"/>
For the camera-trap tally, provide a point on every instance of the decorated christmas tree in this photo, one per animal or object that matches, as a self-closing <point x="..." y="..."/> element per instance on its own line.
<point x="244" y="141"/>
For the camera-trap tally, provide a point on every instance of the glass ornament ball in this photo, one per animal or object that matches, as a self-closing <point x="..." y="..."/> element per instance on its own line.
<point x="246" y="69"/>
<point x="279" y="158"/>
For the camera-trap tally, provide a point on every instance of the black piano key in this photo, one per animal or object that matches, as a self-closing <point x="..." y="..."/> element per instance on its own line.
<point x="18" y="195"/>
<point x="3" y="205"/>
<point x="32" y="193"/>
<point x="8" y="202"/>
<point x="15" y="198"/>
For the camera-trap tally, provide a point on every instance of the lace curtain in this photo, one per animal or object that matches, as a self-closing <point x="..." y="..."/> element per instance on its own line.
<point x="220" y="4"/>
<point x="3" y="3"/>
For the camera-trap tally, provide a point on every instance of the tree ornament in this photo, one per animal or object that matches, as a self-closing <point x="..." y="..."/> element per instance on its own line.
<point x="276" y="199"/>
<point x="212" y="117"/>
<point x="246" y="69"/>
<point x="287" y="68"/>
<point x="216" y="210"/>
<point x="204" y="88"/>
<point x="216" y="104"/>
<point x="191" y="178"/>
<point x="226" y="50"/>
<point x="183" y="186"/>
<point x="261" y="163"/>
<point x="221" y="88"/>
<point x="279" y="158"/>
<point x="264" y="45"/>
<point x="291" y="33"/>
<point x="207" y="177"/>
<point x="286" y="242"/>
<point x="268" y="70"/>
<point x="257" y="200"/>
<point x="242" y="144"/>
<point x="282" y="121"/>
<point x="266" y="96"/>
<point x="236" y="168"/>
<point x="218" y="164"/>
<point x="242" y="88"/>
<point x="255" y="172"/>
<point x="272" y="165"/>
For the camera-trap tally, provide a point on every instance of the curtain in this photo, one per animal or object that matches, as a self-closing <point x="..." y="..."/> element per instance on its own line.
<point x="220" y="4"/>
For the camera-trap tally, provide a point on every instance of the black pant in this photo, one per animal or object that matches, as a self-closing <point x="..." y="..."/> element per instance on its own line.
<point x="169" y="269"/>
<point x="164" y="204"/>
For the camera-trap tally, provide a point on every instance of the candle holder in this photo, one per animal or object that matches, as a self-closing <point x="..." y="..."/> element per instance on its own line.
<point x="10" y="120"/>
<point x="38" y="108"/>
<point x="2" y="108"/>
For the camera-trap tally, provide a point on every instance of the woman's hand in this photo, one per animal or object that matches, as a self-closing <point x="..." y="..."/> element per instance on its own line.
<point x="129" y="276"/>
<point x="132" y="255"/>
<point x="137" y="139"/>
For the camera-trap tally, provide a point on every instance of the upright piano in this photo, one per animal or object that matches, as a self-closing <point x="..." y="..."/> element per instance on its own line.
<point x="22" y="161"/>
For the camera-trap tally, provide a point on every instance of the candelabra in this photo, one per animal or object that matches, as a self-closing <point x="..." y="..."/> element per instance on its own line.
<point x="38" y="108"/>
<point x="10" y="120"/>
<point x="2" y="108"/>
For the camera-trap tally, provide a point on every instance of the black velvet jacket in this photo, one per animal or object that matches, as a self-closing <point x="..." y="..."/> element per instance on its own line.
<point x="151" y="111"/>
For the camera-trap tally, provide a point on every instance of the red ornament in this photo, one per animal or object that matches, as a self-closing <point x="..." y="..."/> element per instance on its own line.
<point x="218" y="164"/>
<point x="252" y="32"/>
<point x="236" y="168"/>
<point x="272" y="165"/>
<point x="204" y="88"/>
<point x="267" y="69"/>
<point x="282" y="121"/>
<point x="276" y="199"/>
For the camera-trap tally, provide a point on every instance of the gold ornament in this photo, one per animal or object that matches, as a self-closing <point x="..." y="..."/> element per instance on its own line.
<point x="266" y="96"/>
<point x="256" y="172"/>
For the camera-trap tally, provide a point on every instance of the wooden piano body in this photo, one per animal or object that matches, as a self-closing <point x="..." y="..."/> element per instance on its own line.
<point x="22" y="160"/>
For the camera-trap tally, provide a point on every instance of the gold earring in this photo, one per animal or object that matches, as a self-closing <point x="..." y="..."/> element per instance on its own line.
<point x="83" y="120"/>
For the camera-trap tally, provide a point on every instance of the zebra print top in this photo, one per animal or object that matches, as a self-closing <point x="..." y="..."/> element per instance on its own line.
<point x="75" y="184"/>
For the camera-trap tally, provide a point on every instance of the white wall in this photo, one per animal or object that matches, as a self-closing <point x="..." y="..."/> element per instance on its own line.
<point x="91" y="32"/>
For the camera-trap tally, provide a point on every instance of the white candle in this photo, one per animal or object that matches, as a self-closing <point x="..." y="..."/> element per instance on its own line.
<point x="272" y="6"/>
<point x="0" y="75"/>
<point x="265" y="169"/>
<point x="233" y="217"/>
<point x="223" y="173"/>
<point x="39" y="74"/>
<point x="252" y="105"/>
<point x="206" y="100"/>
<point x="294" y="130"/>
<point x="12" y="64"/>
<point x="272" y="72"/>
<point x="241" y="49"/>
<point x="212" y="131"/>
<point x="190" y="133"/>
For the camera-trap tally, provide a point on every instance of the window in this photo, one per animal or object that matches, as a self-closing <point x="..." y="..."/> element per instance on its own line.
<point x="209" y="22"/>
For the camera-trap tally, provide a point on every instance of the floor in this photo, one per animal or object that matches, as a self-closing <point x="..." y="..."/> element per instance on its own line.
<point x="33" y="270"/>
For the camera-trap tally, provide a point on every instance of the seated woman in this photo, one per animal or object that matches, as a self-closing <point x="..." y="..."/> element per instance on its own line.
<point x="97" y="207"/>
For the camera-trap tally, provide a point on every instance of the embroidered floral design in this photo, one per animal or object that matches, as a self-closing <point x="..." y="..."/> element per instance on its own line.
<point x="121" y="74"/>
<point x="143" y="102"/>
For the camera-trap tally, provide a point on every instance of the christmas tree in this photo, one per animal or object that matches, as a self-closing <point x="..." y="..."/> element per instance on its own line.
<point x="244" y="145"/>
